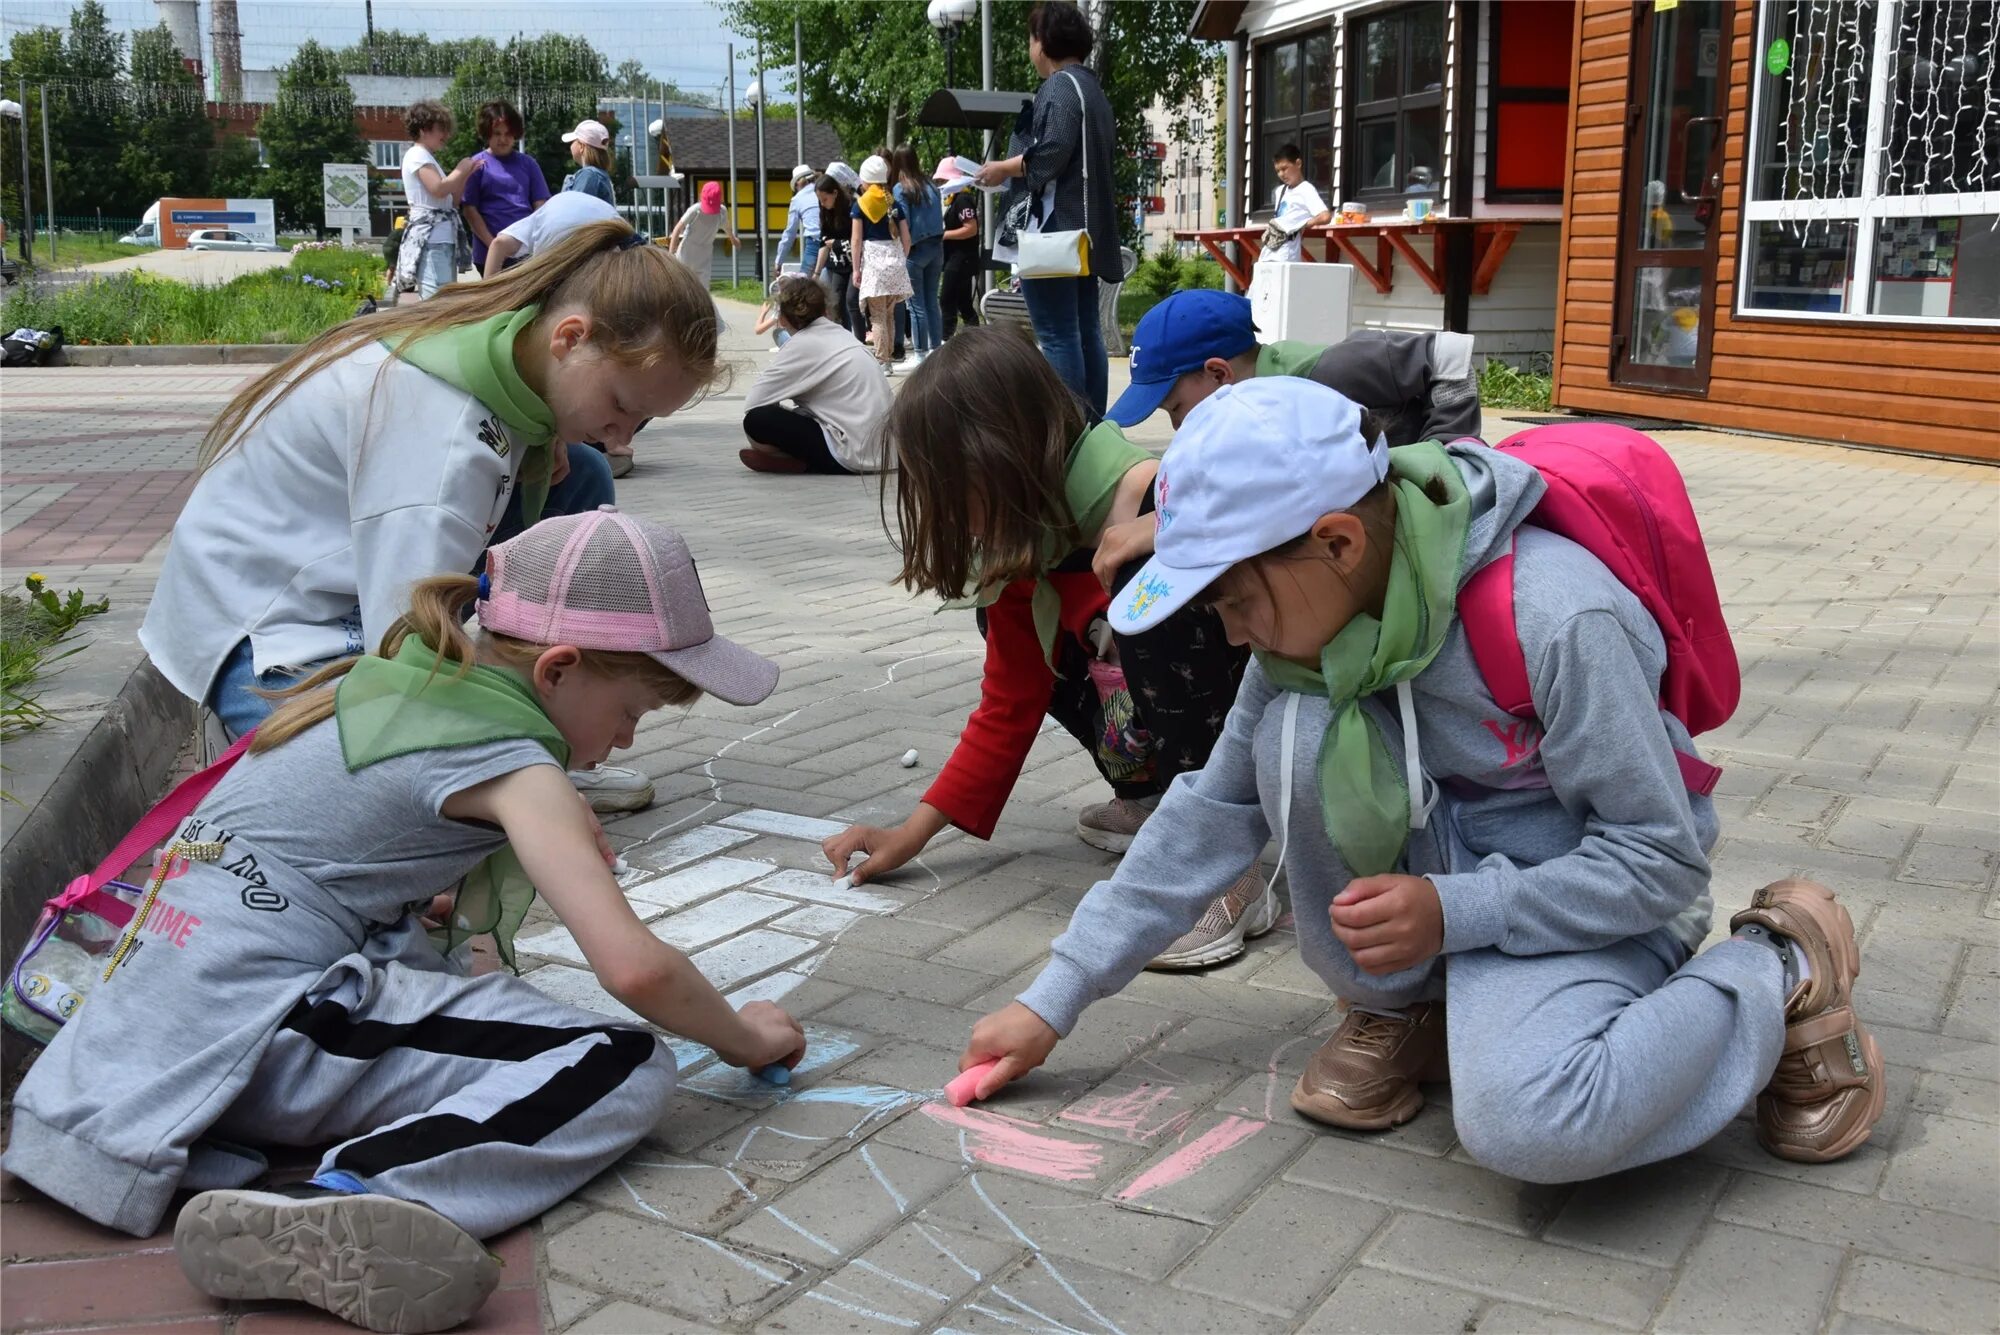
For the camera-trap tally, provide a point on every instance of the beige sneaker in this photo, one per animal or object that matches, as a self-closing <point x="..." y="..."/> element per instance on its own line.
<point x="1247" y="909"/>
<point x="1111" y="825"/>
<point x="1827" y="1093"/>
<point x="1365" y="1077"/>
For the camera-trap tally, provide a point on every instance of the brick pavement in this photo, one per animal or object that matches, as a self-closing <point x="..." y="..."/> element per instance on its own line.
<point x="1153" y="1177"/>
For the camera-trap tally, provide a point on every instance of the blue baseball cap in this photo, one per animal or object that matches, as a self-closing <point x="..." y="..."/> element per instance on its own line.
<point x="1178" y="336"/>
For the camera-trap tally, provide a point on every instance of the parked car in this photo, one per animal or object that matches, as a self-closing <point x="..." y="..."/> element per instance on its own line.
<point x="145" y="234"/>
<point x="217" y="238"/>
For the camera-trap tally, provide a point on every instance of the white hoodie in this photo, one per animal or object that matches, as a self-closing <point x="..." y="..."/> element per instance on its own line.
<point x="308" y="534"/>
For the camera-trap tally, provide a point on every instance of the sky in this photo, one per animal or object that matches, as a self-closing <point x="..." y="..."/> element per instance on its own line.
<point x="684" y="41"/>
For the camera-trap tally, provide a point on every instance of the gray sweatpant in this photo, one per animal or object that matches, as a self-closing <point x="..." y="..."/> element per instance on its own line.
<point x="478" y="1097"/>
<point x="1573" y="1065"/>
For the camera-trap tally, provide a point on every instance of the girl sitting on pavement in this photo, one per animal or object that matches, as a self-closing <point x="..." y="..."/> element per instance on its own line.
<point x="1003" y="488"/>
<point x="1534" y="891"/>
<point x="840" y="400"/>
<point x="301" y="1001"/>
<point x="400" y="445"/>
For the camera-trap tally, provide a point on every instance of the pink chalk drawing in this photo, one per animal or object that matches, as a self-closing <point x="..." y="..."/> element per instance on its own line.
<point x="1141" y="1113"/>
<point x="1192" y="1157"/>
<point x="1008" y="1142"/>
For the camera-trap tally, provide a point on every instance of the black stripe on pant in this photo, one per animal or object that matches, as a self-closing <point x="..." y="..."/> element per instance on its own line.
<point x="559" y="1100"/>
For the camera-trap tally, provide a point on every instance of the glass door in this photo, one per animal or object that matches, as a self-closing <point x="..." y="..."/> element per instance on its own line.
<point x="1665" y="310"/>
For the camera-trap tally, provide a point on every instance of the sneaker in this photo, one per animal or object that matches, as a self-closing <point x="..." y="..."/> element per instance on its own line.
<point x="1249" y="908"/>
<point x="1365" y="1077"/>
<point x="910" y="363"/>
<point x="376" y="1261"/>
<point x="621" y="464"/>
<point x="1111" y="825"/>
<point x="1827" y="1093"/>
<point x="763" y="461"/>
<point x="613" y="788"/>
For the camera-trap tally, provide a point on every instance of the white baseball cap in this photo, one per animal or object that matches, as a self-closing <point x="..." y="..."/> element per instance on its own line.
<point x="591" y="132"/>
<point x="802" y="172"/>
<point x="1253" y="466"/>
<point x="874" y="170"/>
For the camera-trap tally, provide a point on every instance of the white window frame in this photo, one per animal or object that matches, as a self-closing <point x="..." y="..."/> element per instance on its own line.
<point x="401" y="146"/>
<point x="1867" y="210"/>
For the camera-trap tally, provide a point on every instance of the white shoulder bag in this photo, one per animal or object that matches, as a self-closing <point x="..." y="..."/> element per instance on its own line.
<point x="1060" y="254"/>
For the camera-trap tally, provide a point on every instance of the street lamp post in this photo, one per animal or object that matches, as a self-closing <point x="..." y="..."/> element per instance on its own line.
<point x="755" y="97"/>
<point x="947" y="16"/>
<point x="12" y="110"/>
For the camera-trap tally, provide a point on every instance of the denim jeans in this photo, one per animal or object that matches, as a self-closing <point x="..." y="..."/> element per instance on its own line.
<point x="1064" y="312"/>
<point x="808" y="253"/>
<point x="232" y="696"/>
<point x="437" y="267"/>
<point x="926" y="265"/>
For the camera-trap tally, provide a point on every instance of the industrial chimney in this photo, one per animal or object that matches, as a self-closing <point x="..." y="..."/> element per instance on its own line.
<point x="228" y="38"/>
<point x="183" y="20"/>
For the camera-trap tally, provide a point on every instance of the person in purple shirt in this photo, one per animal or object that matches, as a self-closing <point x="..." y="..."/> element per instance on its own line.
<point x="509" y="188"/>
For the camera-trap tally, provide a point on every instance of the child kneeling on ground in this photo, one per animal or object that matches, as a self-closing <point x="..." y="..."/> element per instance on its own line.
<point x="306" y="1003"/>
<point x="1534" y="891"/>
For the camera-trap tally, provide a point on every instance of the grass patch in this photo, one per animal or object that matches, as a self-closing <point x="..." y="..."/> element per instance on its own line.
<point x="82" y="248"/>
<point x="33" y="630"/>
<point x="1502" y="385"/>
<point x="318" y="289"/>
<point x="746" y="290"/>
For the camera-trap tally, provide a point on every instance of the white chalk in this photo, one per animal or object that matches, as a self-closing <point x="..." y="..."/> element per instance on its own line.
<point x="620" y="867"/>
<point x="844" y="883"/>
<point x="910" y="759"/>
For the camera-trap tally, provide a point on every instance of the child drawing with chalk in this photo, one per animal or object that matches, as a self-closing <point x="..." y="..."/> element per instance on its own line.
<point x="1513" y="895"/>
<point x="1003" y="487"/>
<point x="306" y="1002"/>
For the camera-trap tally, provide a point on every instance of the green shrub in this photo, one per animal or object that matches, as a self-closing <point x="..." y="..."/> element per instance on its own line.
<point x="1504" y="386"/>
<point x="31" y="629"/>
<point x="316" y="291"/>
<point x="360" y="271"/>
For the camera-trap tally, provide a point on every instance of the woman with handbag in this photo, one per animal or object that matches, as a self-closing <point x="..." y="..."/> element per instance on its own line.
<point x="1061" y="220"/>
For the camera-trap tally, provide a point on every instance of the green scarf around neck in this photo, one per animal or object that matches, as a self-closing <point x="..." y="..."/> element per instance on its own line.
<point x="388" y="707"/>
<point x="479" y="359"/>
<point x="1362" y="792"/>
<point x="1098" y="462"/>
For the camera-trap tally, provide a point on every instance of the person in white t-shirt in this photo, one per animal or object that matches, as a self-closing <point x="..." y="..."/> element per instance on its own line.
<point x="1298" y="206"/>
<point x="432" y="229"/>
<point x="563" y="214"/>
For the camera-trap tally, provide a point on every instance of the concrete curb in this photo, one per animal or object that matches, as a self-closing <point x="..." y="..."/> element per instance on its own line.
<point x="176" y="354"/>
<point x="84" y="782"/>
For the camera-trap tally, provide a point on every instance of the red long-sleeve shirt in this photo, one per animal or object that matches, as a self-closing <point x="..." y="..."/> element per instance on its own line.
<point x="976" y="782"/>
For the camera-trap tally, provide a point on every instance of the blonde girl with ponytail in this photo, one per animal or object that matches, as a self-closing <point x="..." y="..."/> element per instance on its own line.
<point x="399" y="445"/>
<point x="288" y="993"/>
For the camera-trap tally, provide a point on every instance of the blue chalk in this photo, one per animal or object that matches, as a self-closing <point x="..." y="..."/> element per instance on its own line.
<point x="777" y="1073"/>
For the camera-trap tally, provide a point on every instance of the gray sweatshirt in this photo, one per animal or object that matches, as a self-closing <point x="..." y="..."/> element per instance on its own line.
<point x="1567" y="832"/>
<point x="836" y="381"/>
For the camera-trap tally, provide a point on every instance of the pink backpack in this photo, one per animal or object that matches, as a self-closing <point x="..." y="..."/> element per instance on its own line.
<point x="1617" y="493"/>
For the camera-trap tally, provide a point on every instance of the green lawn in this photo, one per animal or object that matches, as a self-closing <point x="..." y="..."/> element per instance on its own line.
<point x="743" y="289"/>
<point x="81" y="248"/>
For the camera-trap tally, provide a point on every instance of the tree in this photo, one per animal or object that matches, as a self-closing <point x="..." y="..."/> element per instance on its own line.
<point x="310" y="124"/>
<point x="553" y="80"/>
<point x="233" y="170"/>
<point x="869" y="64"/>
<point x="89" y="122"/>
<point x="405" y="53"/>
<point x="172" y="139"/>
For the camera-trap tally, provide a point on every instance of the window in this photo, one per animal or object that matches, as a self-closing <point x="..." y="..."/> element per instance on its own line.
<point x="1873" y="192"/>
<point x="388" y="153"/>
<point x="1295" y="106"/>
<point x="1527" y="107"/>
<point x="1396" y="111"/>
<point x="258" y="144"/>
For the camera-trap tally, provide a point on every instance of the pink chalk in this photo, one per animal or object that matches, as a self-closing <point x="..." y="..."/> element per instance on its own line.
<point x="964" y="1087"/>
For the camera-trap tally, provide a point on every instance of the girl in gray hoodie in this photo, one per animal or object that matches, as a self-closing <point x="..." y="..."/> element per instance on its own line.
<point x="1514" y="903"/>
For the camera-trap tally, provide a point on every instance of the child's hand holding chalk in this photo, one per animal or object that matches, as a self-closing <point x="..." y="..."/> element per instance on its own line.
<point x="964" y="1087"/>
<point x="1005" y="1046"/>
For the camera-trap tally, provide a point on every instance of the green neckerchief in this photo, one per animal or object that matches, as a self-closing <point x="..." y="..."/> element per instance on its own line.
<point x="388" y="707"/>
<point x="1361" y="791"/>
<point x="1098" y="462"/>
<point x="479" y="359"/>
<point x="1289" y="357"/>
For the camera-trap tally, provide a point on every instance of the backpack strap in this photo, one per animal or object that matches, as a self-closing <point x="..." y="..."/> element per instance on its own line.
<point x="1486" y="610"/>
<point x="156" y="825"/>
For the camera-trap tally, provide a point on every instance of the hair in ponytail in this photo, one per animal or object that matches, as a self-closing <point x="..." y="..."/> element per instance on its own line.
<point x="644" y="307"/>
<point x="437" y="617"/>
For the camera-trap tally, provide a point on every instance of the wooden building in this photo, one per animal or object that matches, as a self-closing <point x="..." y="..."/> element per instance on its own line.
<point x="1784" y="216"/>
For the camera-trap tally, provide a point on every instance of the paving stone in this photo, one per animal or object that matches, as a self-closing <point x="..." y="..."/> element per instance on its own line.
<point x="1956" y="1096"/>
<point x="1918" y="1297"/>
<point x="1906" y="980"/>
<point x="1944" y="1163"/>
<point x="750" y="954"/>
<point x="622" y="1318"/>
<point x="1008" y="944"/>
<point x="1238" y="1044"/>
<point x="1648" y="1214"/>
<point x="816" y="887"/>
<point x="845" y="1205"/>
<point x="569" y="1302"/>
<point x="579" y="987"/>
<point x="1736" y="1146"/>
<point x="1269" y="1096"/>
<point x="679" y="889"/>
<point x="699" y="1197"/>
<point x="1205" y="1172"/>
<point x="688" y="846"/>
<point x="1070" y="1292"/>
<point x="1282" y="1251"/>
<point x="906" y="1281"/>
<point x="1911" y="1233"/>
<point x="1415" y="1181"/>
<point x="989" y="1138"/>
<point x="816" y="921"/>
<point x="912" y="1066"/>
<point x="903" y="1017"/>
<point x="1368" y="1302"/>
<point x="692" y="1120"/>
<point x="827" y="1050"/>
<point x="976" y="902"/>
<point x="857" y="966"/>
<point x="810" y="1127"/>
<point x="1622" y="1293"/>
<point x="1154" y="1098"/>
<point x="899" y="935"/>
<point x="1514" y="1319"/>
<point x="1000" y="1207"/>
<point x="1975" y="1009"/>
<point x="796" y="990"/>
<point x="145" y="1285"/>
<point x="657" y="1265"/>
<point x="1740" y="1279"/>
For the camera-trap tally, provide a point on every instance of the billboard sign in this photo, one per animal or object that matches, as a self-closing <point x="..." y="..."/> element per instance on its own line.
<point x="344" y="191"/>
<point x="180" y="217"/>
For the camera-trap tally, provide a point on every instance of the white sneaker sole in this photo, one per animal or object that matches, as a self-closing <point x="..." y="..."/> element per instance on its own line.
<point x="614" y="800"/>
<point x="375" y="1261"/>
<point x="1111" y="841"/>
<point x="1259" y="918"/>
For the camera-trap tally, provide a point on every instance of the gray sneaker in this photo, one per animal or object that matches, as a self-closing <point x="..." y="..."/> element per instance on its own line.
<point x="613" y="788"/>
<point x="1247" y="909"/>
<point x="376" y="1261"/>
<point x="1111" y="825"/>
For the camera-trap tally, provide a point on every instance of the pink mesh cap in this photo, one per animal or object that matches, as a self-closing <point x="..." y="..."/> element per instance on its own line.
<point x="608" y="581"/>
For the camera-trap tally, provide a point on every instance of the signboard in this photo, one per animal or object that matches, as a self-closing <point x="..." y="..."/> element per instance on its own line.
<point x="344" y="190"/>
<point x="1155" y="150"/>
<point x="252" y="217"/>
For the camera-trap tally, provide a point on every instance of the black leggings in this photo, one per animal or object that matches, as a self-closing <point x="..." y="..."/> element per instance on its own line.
<point x="795" y="433"/>
<point x="955" y="292"/>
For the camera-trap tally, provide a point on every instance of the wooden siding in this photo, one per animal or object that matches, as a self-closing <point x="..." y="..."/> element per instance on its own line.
<point x="1863" y="383"/>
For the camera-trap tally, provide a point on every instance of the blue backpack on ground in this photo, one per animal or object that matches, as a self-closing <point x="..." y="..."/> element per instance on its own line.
<point x="925" y="212"/>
